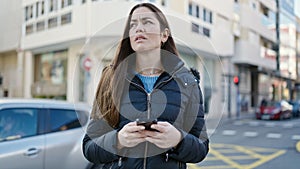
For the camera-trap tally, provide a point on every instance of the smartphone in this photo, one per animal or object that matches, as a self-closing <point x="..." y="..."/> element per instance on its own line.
<point x="147" y="124"/>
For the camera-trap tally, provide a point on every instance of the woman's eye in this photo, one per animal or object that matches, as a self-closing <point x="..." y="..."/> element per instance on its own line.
<point x="148" y="22"/>
<point x="132" y="25"/>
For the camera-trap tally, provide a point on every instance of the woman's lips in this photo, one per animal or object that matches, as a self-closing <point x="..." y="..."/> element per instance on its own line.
<point x="140" y="38"/>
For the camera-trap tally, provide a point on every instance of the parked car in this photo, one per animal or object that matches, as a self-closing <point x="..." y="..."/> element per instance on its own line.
<point x="42" y="134"/>
<point x="274" y="110"/>
<point x="296" y="108"/>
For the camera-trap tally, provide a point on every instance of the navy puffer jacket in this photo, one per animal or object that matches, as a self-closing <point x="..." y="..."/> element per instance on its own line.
<point x="177" y="99"/>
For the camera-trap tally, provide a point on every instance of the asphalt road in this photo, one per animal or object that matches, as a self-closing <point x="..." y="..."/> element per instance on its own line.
<point x="253" y="144"/>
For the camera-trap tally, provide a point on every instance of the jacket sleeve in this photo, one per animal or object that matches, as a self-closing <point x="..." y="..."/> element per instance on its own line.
<point x="100" y="142"/>
<point x="194" y="145"/>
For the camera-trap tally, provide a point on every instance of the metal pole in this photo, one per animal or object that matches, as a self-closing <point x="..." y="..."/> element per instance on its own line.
<point x="277" y="37"/>
<point x="237" y="102"/>
<point x="229" y="96"/>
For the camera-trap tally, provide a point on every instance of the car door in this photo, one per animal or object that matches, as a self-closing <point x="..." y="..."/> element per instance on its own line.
<point x="20" y="144"/>
<point x="63" y="141"/>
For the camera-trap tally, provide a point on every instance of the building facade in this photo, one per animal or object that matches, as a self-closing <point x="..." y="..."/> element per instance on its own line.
<point x="10" y="61"/>
<point x="265" y="50"/>
<point x="66" y="43"/>
<point x="57" y="48"/>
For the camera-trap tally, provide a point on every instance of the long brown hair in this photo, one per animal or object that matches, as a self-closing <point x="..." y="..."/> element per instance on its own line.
<point x="110" y="87"/>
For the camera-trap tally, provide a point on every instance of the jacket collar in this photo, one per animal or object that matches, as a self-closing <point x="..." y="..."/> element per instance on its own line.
<point x="170" y="62"/>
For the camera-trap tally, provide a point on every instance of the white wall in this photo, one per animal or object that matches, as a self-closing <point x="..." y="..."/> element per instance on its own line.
<point x="250" y="54"/>
<point x="252" y="19"/>
<point x="11" y="20"/>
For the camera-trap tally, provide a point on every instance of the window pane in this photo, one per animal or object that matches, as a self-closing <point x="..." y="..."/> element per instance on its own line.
<point x="61" y="120"/>
<point x="67" y="18"/>
<point x="37" y="9"/>
<point x="42" y="7"/>
<point x="52" y="22"/>
<point x="40" y="26"/>
<point x="197" y="11"/>
<point x="53" y="5"/>
<point x="195" y="27"/>
<point x="29" y="29"/>
<point x="206" y="32"/>
<point x="28" y="12"/>
<point x="17" y="123"/>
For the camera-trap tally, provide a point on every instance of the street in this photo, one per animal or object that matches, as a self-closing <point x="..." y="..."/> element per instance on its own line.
<point x="253" y="144"/>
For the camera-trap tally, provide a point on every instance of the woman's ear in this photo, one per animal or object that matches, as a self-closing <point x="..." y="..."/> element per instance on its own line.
<point x="165" y="35"/>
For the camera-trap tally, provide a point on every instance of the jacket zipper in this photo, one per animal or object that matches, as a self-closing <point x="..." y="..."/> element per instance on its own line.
<point x="149" y="108"/>
<point x="148" y="117"/>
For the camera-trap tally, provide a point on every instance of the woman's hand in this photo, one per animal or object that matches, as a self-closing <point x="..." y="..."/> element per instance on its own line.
<point x="130" y="135"/>
<point x="167" y="137"/>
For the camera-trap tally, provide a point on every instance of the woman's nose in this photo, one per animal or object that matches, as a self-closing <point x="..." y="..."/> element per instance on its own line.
<point x="140" y="27"/>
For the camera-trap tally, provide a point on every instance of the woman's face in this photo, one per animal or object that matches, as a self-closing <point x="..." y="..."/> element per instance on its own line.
<point x="144" y="31"/>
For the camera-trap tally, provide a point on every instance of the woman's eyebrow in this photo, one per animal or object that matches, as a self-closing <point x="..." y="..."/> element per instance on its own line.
<point x="142" y="18"/>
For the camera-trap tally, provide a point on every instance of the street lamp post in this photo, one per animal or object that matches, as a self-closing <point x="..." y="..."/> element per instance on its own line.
<point x="277" y="37"/>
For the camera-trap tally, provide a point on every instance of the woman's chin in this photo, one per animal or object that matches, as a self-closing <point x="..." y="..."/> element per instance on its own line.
<point x="143" y="49"/>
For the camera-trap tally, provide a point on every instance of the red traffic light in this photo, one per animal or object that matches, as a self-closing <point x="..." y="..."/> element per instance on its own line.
<point x="236" y="80"/>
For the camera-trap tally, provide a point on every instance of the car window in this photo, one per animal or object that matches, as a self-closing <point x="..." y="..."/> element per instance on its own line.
<point x="17" y="123"/>
<point x="61" y="119"/>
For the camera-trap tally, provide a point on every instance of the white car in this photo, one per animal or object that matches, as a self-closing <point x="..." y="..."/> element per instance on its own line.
<point x="42" y="134"/>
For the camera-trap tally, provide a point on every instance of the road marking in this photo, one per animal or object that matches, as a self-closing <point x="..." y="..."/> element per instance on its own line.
<point x="298" y="146"/>
<point x="254" y="123"/>
<point x="229" y="132"/>
<point x="225" y="159"/>
<point x="250" y="134"/>
<point x="273" y="135"/>
<point x="238" y="123"/>
<point x="234" y="156"/>
<point x="288" y="125"/>
<point x="265" y="159"/>
<point x="296" y="137"/>
<point x="270" y="124"/>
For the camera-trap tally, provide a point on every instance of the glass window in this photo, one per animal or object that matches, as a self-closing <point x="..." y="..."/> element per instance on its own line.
<point x="52" y="22"/>
<point x="206" y="32"/>
<point x="18" y="123"/>
<point x="195" y="28"/>
<point x="28" y="12"/>
<point x="29" y="29"/>
<point x="42" y="7"/>
<point x="53" y="67"/>
<point x="190" y="8"/>
<point x="67" y="18"/>
<point x="40" y="26"/>
<point x="53" y="5"/>
<point x="197" y="11"/>
<point x="207" y="15"/>
<point x="37" y="9"/>
<point x="65" y="3"/>
<point x="62" y="119"/>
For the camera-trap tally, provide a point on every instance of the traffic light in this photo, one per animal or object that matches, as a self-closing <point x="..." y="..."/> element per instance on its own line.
<point x="236" y="80"/>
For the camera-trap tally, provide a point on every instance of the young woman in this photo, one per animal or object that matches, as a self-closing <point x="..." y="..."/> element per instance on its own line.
<point x="148" y="110"/>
